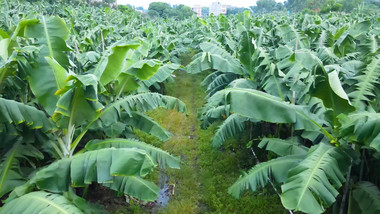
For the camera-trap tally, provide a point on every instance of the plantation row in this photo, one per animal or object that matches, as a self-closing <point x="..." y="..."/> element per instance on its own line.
<point x="306" y="90"/>
<point x="303" y="88"/>
<point x="72" y="96"/>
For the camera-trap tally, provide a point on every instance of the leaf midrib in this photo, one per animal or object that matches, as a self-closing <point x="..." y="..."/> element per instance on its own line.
<point x="8" y="166"/>
<point x="316" y="166"/>
<point x="368" y="78"/>
<point x="47" y="37"/>
<point x="48" y="202"/>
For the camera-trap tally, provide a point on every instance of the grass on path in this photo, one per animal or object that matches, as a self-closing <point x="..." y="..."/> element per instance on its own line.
<point x="201" y="185"/>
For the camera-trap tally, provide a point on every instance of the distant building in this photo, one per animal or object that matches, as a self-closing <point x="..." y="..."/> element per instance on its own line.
<point x="217" y="8"/>
<point x="198" y="10"/>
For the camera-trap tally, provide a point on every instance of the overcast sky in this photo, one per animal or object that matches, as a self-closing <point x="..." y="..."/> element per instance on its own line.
<point x="191" y="3"/>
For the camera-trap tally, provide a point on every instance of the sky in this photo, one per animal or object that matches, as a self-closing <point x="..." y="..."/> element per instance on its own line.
<point x="191" y="3"/>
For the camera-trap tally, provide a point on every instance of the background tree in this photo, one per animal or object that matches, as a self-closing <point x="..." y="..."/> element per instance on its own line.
<point x="184" y="11"/>
<point x="235" y="10"/>
<point x="164" y="10"/>
<point x="158" y="9"/>
<point x="267" y="6"/>
<point x="323" y="5"/>
<point x="126" y="8"/>
<point x="331" y="5"/>
<point x="349" y="5"/>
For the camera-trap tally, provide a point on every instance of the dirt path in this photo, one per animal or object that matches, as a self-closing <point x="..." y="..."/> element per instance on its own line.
<point x="186" y="181"/>
<point x="201" y="185"/>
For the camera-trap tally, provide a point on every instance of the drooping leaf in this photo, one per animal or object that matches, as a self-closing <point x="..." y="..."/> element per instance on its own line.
<point x="40" y="202"/>
<point x="330" y="91"/>
<point x="216" y="58"/>
<point x="281" y="147"/>
<point x="220" y="82"/>
<point x="364" y="126"/>
<point x="93" y="166"/>
<point x="161" y="157"/>
<point x="259" y="105"/>
<point x="163" y="73"/>
<point x="135" y="187"/>
<point x="312" y="185"/>
<point x="10" y="175"/>
<point x="140" y="102"/>
<point x="144" y="69"/>
<point x="146" y="124"/>
<point x="209" y="115"/>
<point x="233" y="125"/>
<point x="367" y="195"/>
<point x="261" y="173"/>
<point x="292" y="37"/>
<point x="13" y="112"/>
<point x="366" y="82"/>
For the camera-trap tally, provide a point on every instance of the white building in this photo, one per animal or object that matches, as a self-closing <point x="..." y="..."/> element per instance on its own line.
<point x="198" y="10"/>
<point x="217" y="8"/>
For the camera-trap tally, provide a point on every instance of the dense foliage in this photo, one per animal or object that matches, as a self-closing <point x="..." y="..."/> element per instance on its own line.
<point x="164" y="10"/>
<point x="72" y="94"/>
<point x="305" y="88"/>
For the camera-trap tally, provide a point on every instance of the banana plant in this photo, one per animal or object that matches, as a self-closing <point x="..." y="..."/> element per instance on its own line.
<point x="73" y="107"/>
<point x="320" y="110"/>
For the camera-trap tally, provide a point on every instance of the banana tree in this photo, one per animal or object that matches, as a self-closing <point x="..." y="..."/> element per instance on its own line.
<point x="73" y="108"/>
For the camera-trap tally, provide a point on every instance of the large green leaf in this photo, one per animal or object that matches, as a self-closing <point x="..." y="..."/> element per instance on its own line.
<point x="359" y="28"/>
<point x="261" y="173"/>
<point x="281" y="147"/>
<point x="209" y="115"/>
<point x="246" y="49"/>
<point x="125" y="83"/>
<point x="367" y="195"/>
<point x="20" y="29"/>
<point x="135" y="187"/>
<point x="140" y="102"/>
<point x="216" y="58"/>
<point x="44" y="81"/>
<point x="113" y="61"/>
<point x="259" y="105"/>
<point x="160" y="156"/>
<point x="10" y="176"/>
<point x="291" y="36"/>
<point x="220" y="82"/>
<point x="17" y="113"/>
<point x="366" y="82"/>
<point x="144" y="69"/>
<point x="40" y="202"/>
<point x="146" y="124"/>
<point x="364" y="126"/>
<point x="4" y="52"/>
<point x="77" y="106"/>
<point x="163" y="73"/>
<point x="330" y="91"/>
<point x="93" y="166"/>
<point x="312" y="185"/>
<point x="232" y="126"/>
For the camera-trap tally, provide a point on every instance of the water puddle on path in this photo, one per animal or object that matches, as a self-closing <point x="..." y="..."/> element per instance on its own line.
<point x="165" y="190"/>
